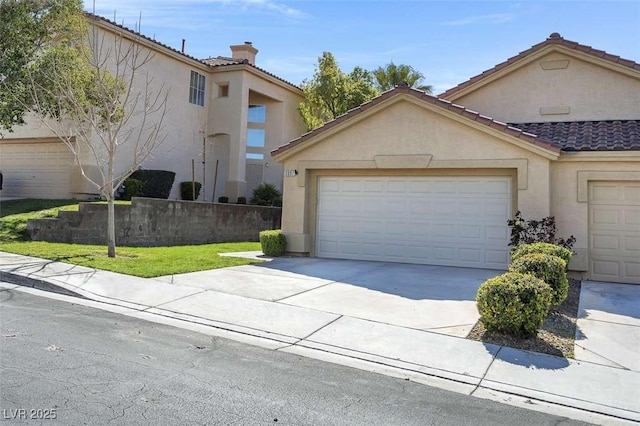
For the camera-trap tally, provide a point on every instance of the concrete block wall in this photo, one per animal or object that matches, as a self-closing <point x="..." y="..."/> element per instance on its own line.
<point x="153" y="222"/>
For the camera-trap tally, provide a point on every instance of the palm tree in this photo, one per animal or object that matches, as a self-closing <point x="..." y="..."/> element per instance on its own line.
<point x="392" y="75"/>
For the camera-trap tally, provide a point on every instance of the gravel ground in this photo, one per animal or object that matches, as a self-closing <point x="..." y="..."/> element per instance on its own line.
<point x="555" y="337"/>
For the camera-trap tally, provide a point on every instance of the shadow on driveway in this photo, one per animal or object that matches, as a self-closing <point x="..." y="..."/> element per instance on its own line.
<point x="410" y="281"/>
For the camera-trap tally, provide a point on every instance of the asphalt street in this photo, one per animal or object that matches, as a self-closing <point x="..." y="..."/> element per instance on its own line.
<point x="64" y="363"/>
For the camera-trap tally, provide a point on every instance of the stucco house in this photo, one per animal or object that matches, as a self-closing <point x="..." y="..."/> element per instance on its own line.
<point x="410" y="177"/>
<point x="224" y="113"/>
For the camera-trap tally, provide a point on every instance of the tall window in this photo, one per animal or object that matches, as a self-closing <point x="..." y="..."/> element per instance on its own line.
<point x="256" y="134"/>
<point x="196" y="89"/>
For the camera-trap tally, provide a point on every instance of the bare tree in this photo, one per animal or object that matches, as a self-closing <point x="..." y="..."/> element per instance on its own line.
<point x="108" y="110"/>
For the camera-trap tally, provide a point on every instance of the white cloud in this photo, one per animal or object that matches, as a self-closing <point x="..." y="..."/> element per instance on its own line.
<point x="496" y="18"/>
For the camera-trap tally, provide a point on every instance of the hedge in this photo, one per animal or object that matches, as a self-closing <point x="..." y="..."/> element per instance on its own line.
<point x="158" y="183"/>
<point x="273" y="243"/>
<point x="544" y="248"/>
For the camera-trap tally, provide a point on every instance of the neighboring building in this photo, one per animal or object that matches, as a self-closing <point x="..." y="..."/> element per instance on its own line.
<point x="226" y="114"/>
<point x="410" y="177"/>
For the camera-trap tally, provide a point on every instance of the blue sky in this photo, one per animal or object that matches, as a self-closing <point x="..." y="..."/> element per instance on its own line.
<point x="448" y="41"/>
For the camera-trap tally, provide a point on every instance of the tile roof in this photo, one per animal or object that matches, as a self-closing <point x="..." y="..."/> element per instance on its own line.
<point x="94" y="17"/>
<point x="221" y="60"/>
<point x="211" y="62"/>
<point x="553" y="39"/>
<point x="441" y="103"/>
<point x="608" y="135"/>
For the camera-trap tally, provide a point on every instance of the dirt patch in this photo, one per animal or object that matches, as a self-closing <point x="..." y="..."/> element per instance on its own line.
<point x="555" y="337"/>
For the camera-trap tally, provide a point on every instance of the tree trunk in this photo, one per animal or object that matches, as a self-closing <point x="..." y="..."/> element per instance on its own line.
<point x="111" y="228"/>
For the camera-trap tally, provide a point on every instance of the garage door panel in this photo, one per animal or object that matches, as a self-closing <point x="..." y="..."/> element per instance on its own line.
<point x="632" y="216"/>
<point x="632" y="270"/>
<point x="631" y="194"/>
<point x="415" y="186"/>
<point x="436" y="220"/>
<point x="470" y="255"/>
<point x="496" y="257"/>
<point x="497" y="187"/>
<point x="632" y="246"/>
<point x="418" y="207"/>
<point x="614" y="231"/>
<point x="496" y="209"/>
<point x="470" y="232"/>
<point x="606" y="268"/>
<point x="609" y="243"/>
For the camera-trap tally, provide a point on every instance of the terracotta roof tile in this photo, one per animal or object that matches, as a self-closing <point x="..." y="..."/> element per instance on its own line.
<point x="554" y="38"/>
<point x="221" y="60"/>
<point x="608" y="135"/>
<point x="440" y="103"/>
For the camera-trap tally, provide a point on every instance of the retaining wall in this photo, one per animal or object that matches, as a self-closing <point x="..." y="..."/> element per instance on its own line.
<point x="154" y="222"/>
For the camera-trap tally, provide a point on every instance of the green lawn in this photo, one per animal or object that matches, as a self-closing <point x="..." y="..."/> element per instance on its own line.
<point x="14" y="215"/>
<point x="139" y="261"/>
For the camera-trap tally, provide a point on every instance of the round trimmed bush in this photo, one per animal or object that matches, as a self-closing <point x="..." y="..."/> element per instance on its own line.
<point x="544" y="248"/>
<point x="514" y="304"/>
<point x="273" y="243"/>
<point x="550" y="269"/>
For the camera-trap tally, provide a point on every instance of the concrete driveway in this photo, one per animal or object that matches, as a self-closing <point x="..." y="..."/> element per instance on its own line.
<point x="608" y="326"/>
<point x="435" y="298"/>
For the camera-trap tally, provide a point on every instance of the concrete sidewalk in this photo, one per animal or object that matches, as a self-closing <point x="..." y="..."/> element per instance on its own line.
<point x="444" y="360"/>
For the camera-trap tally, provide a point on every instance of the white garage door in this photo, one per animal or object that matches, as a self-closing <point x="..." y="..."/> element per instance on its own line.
<point x="453" y="221"/>
<point x="614" y="231"/>
<point x="35" y="170"/>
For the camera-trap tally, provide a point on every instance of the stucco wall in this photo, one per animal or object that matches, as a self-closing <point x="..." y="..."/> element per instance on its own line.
<point x="202" y="134"/>
<point x="419" y="139"/>
<point x="580" y="91"/>
<point x="570" y="177"/>
<point x="228" y="115"/>
<point x="151" y="222"/>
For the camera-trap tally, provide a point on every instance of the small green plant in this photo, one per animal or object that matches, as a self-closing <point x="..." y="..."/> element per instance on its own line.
<point x="132" y="188"/>
<point x="514" y="304"/>
<point x="544" y="248"/>
<point x="223" y="199"/>
<point x="535" y="231"/>
<point x="186" y="190"/>
<point x="550" y="269"/>
<point x="266" y="195"/>
<point x="273" y="243"/>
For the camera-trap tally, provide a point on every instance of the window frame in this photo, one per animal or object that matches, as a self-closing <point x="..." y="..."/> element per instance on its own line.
<point x="197" y="88"/>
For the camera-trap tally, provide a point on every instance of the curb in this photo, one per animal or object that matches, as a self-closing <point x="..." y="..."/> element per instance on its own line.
<point x="38" y="284"/>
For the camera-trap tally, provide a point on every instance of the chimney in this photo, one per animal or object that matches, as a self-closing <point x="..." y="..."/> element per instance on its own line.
<point x="244" y="51"/>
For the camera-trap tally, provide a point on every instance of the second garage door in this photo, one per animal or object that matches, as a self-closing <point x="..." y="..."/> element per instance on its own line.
<point x="614" y="231"/>
<point x="452" y="221"/>
<point x="36" y="170"/>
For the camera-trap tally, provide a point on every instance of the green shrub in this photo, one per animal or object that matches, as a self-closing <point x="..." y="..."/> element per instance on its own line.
<point x="544" y="248"/>
<point x="158" y="183"/>
<point x="186" y="190"/>
<point x="514" y="304"/>
<point x="273" y="242"/>
<point x="223" y="199"/>
<point x="550" y="269"/>
<point x="266" y="195"/>
<point x="132" y="188"/>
